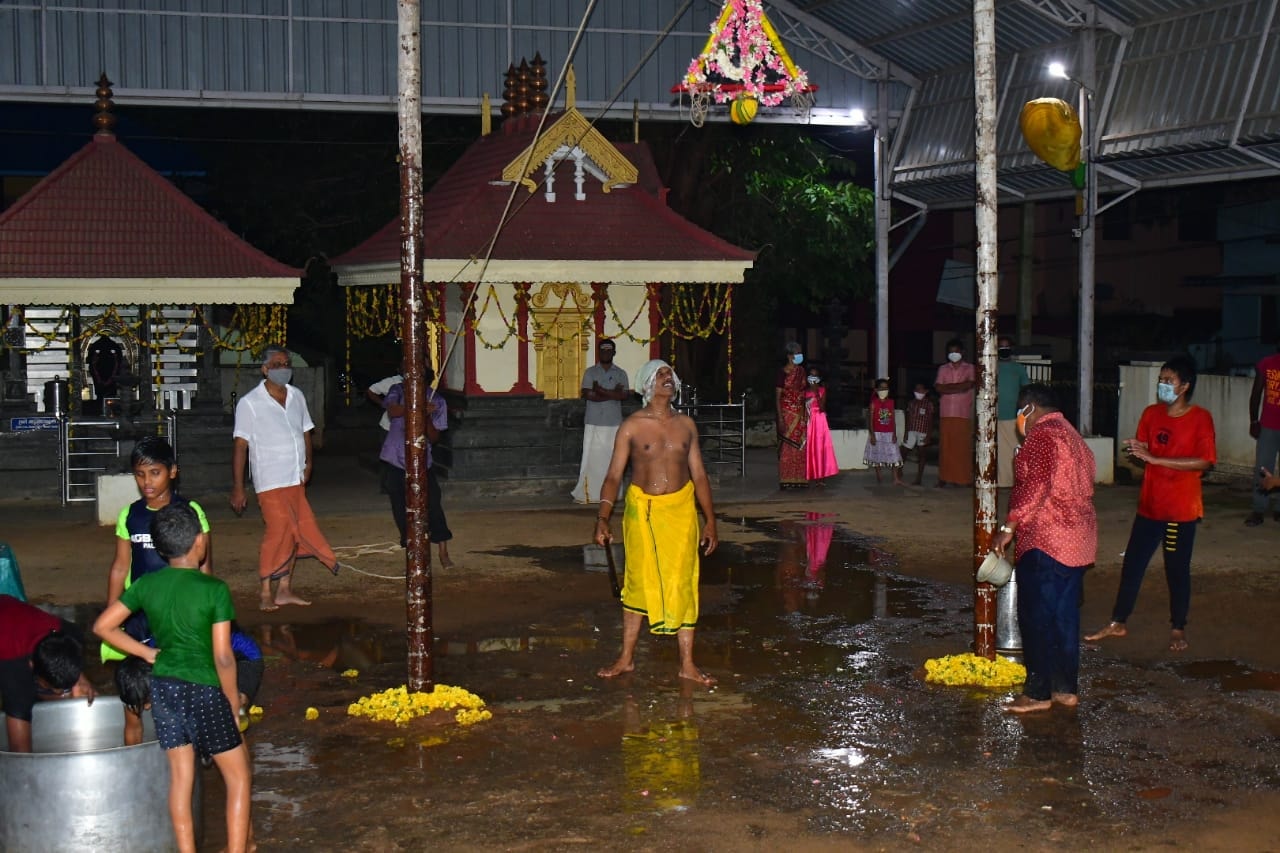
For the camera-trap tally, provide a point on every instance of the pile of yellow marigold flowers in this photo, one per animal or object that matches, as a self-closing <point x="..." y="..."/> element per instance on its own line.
<point x="971" y="670"/>
<point x="397" y="705"/>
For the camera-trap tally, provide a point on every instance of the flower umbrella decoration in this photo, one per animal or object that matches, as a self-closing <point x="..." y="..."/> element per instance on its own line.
<point x="744" y="65"/>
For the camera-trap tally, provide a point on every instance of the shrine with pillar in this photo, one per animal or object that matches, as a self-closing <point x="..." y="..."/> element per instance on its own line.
<point x="543" y="238"/>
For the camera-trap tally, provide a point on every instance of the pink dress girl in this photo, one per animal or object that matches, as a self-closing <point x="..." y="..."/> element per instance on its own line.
<point x="820" y="453"/>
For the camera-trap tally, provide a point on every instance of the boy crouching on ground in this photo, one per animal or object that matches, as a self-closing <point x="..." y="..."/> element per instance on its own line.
<point x="194" y="698"/>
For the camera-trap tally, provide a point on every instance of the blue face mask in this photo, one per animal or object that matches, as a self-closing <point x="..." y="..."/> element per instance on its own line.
<point x="798" y="358"/>
<point x="1165" y="393"/>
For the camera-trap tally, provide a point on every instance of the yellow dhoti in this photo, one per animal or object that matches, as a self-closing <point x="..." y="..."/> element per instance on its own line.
<point x="660" y="534"/>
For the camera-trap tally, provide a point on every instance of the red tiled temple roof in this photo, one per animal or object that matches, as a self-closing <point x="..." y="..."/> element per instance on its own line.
<point x="462" y="210"/>
<point x="104" y="213"/>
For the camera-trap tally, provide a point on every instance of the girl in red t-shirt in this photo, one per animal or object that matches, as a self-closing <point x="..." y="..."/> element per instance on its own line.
<point x="1176" y="441"/>
<point x="882" y="435"/>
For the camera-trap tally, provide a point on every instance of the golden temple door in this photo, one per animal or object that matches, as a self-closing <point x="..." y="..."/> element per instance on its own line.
<point x="561" y="326"/>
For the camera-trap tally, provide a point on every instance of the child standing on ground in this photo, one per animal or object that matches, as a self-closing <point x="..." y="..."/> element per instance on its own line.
<point x="194" y="697"/>
<point x="819" y="452"/>
<point x="882" y="437"/>
<point x="154" y="468"/>
<point x="921" y="413"/>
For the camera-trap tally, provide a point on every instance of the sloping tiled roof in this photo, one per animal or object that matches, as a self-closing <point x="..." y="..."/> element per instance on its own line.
<point x="463" y="209"/>
<point x="105" y="214"/>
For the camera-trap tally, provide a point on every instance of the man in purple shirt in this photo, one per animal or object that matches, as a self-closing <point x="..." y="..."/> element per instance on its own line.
<point x="392" y="457"/>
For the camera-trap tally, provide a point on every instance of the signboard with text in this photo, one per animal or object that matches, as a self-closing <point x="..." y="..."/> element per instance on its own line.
<point x="33" y="424"/>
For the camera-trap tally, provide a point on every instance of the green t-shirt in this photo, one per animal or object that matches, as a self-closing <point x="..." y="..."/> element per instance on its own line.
<point x="182" y="605"/>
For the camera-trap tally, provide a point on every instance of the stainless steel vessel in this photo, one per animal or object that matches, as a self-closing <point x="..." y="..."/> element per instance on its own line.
<point x="81" y="789"/>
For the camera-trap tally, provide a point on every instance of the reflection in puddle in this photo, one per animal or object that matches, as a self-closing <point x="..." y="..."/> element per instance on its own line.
<point x="1231" y="675"/>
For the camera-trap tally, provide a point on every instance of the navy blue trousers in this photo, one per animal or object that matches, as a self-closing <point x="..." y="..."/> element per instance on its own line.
<point x="1177" y="539"/>
<point x="1049" y="619"/>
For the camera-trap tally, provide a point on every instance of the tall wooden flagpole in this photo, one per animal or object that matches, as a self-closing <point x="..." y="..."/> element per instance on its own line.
<point x="412" y="332"/>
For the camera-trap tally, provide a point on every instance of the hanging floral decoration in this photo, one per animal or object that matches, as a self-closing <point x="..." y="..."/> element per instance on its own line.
<point x="745" y="64"/>
<point x="691" y="311"/>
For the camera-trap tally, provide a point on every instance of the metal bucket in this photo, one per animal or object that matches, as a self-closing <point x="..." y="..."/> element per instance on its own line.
<point x="81" y="790"/>
<point x="1008" y="636"/>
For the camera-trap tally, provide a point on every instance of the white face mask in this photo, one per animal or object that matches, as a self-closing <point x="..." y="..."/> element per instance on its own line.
<point x="953" y="357"/>
<point x="814" y="380"/>
<point x="882" y="393"/>
<point x="919" y="395"/>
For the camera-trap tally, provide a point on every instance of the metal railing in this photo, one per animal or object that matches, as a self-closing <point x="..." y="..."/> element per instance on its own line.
<point x="87" y="447"/>
<point x="722" y="430"/>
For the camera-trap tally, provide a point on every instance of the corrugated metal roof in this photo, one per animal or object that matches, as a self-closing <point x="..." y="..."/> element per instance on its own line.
<point x="1172" y="74"/>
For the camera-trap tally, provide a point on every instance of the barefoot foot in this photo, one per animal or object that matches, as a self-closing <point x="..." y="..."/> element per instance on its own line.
<point x="283" y="598"/>
<point x="267" y="605"/>
<point x="1024" y="704"/>
<point x="1066" y="700"/>
<point x="1177" y="641"/>
<point x="618" y="668"/>
<point x="1113" y="629"/>
<point x="697" y="676"/>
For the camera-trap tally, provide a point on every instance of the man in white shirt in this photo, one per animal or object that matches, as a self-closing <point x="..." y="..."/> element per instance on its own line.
<point x="273" y="433"/>
<point x="604" y="387"/>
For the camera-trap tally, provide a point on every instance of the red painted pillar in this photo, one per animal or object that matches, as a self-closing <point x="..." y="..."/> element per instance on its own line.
<point x="599" y="293"/>
<point x="523" y="385"/>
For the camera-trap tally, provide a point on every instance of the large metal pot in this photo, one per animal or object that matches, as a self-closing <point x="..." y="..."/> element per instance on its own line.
<point x="81" y="790"/>
<point x="57" y="395"/>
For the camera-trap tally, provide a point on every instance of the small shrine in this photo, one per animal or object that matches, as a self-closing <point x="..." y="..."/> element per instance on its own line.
<point x="537" y="244"/>
<point x="117" y="292"/>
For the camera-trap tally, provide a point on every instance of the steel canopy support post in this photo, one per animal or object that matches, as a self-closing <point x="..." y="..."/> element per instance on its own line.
<point x="880" y="153"/>
<point x="412" y="333"/>
<point x="1084" y="347"/>
<point x="985" y="215"/>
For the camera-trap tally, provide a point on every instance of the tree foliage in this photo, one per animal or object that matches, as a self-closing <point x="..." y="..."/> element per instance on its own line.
<point x="814" y="231"/>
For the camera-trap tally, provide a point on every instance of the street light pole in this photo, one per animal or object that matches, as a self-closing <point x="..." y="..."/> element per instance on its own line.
<point x="1087" y="234"/>
<point x="1087" y="248"/>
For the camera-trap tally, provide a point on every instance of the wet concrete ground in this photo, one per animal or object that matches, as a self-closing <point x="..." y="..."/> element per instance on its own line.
<point x="820" y="734"/>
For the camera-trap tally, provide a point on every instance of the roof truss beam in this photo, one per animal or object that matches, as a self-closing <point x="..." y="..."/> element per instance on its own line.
<point x="1077" y="14"/>
<point x="797" y="26"/>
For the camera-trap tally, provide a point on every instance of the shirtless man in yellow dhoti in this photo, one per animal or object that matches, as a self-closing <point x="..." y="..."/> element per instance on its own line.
<point x="660" y="521"/>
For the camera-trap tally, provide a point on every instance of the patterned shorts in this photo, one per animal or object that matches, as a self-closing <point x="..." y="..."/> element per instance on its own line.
<point x="196" y="714"/>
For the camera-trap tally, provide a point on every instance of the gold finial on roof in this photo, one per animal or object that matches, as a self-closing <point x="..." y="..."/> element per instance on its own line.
<point x="570" y="90"/>
<point x="486" y="116"/>
<point x="538" y="84"/>
<point x="103" y="119"/>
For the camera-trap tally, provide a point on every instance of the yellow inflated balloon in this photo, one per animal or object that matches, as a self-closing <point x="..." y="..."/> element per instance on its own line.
<point x="743" y="109"/>
<point x="1052" y="130"/>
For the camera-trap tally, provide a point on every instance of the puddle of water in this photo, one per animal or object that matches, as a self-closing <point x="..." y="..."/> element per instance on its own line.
<point x="820" y="713"/>
<point x="1231" y="675"/>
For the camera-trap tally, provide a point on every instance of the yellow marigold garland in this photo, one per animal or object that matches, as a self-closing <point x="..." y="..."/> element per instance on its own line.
<point x="397" y="705"/>
<point x="972" y="671"/>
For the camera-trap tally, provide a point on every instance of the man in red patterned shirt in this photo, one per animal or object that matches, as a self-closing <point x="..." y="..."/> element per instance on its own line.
<point x="1051" y="513"/>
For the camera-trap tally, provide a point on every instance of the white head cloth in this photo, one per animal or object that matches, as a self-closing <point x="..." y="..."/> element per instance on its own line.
<point x="648" y="375"/>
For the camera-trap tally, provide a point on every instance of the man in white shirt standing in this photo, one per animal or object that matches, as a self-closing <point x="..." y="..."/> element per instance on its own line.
<point x="604" y="387"/>
<point x="273" y="433"/>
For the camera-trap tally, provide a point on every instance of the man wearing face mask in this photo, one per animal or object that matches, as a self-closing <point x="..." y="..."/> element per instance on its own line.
<point x="1051" y="513"/>
<point x="1011" y="378"/>
<point x="954" y="383"/>
<point x="1176" y="441"/>
<point x="273" y="433"/>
